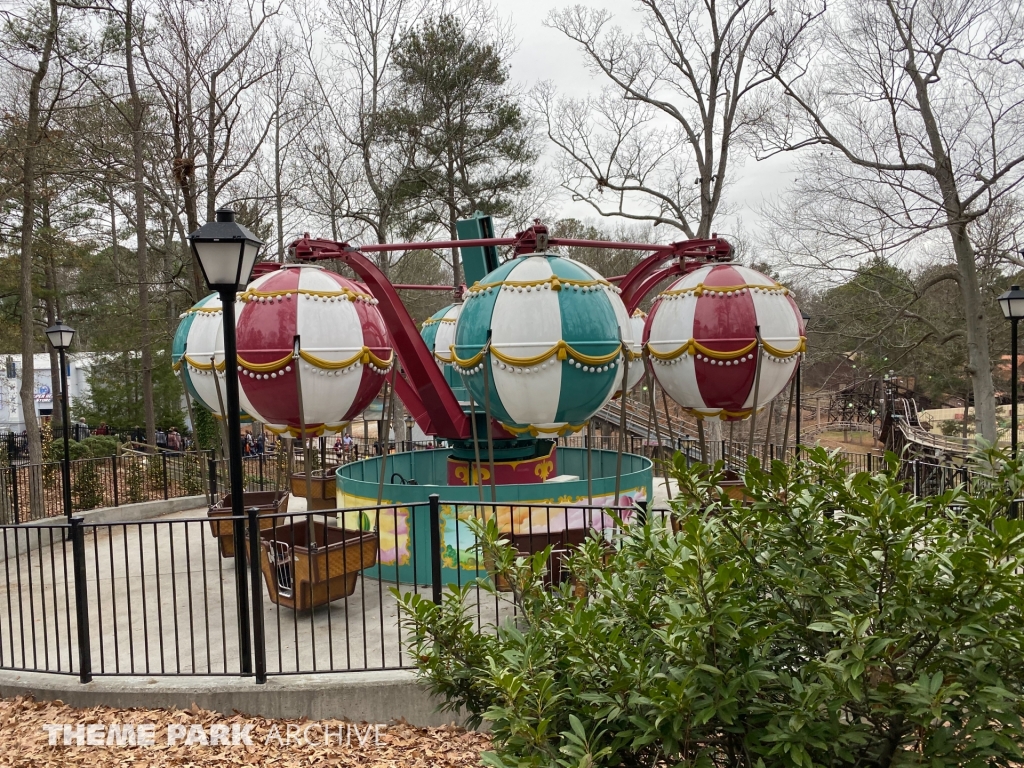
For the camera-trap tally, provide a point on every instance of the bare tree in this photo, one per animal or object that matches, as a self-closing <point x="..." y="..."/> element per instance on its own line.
<point x="207" y="62"/>
<point x="918" y="106"/>
<point x="684" y="94"/>
<point x="29" y="51"/>
<point x="353" y="80"/>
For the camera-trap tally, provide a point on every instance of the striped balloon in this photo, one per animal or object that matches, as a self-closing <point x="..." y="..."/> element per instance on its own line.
<point x="702" y="344"/>
<point x="198" y="352"/>
<point x="439" y="333"/>
<point x="555" y="327"/>
<point x="344" y="349"/>
<point x="636" y="369"/>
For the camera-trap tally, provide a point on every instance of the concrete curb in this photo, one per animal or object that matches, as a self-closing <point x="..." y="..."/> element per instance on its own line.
<point x="32" y="535"/>
<point x="370" y="697"/>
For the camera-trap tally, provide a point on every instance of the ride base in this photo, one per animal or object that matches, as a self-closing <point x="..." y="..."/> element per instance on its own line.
<point x="411" y="478"/>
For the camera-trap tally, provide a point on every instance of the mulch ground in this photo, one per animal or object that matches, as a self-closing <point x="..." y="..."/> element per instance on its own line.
<point x="27" y="727"/>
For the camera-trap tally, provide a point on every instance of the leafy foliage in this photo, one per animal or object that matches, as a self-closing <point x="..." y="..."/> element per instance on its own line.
<point x="116" y="393"/>
<point x="455" y="109"/>
<point x="87" y="487"/>
<point x="95" y="447"/>
<point x="834" y="620"/>
<point x="135" y="480"/>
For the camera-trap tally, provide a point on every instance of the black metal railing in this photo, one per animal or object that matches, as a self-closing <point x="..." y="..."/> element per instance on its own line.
<point x="175" y="597"/>
<point x="30" y="492"/>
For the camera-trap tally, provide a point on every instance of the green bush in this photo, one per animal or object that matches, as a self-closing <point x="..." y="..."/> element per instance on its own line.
<point x="86" y="486"/>
<point x="191" y="474"/>
<point x="95" y="447"/>
<point x="155" y="475"/>
<point x="834" y="621"/>
<point x="100" y="446"/>
<point x="135" y="480"/>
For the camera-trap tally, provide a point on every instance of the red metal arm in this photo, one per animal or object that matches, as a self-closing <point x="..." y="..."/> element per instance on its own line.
<point x="649" y="283"/>
<point x="423" y="389"/>
<point x="639" y="282"/>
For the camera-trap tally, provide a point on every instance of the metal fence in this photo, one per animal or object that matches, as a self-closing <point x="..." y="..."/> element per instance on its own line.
<point x="214" y="596"/>
<point x="30" y="492"/>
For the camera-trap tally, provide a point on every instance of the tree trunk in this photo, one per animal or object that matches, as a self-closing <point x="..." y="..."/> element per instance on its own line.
<point x="28" y="223"/>
<point x="141" y="240"/>
<point x="278" y="191"/>
<point x="52" y="314"/>
<point x="978" y="361"/>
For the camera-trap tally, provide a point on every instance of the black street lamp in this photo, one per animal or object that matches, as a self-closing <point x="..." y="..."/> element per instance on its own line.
<point x="60" y="337"/>
<point x="799" y="393"/>
<point x="226" y="252"/>
<point x="1012" y="304"/>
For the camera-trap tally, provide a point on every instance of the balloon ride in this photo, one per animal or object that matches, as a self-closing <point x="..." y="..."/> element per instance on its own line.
<point x="532" y="348"/>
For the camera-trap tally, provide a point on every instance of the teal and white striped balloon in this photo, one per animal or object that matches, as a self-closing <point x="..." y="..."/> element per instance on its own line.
<point x="557" y="330"/>
<point x="189" y="339"/>
<point x="439" y="333"/>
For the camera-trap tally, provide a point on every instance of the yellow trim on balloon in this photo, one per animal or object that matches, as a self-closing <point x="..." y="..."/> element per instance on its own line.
<point x="351" y="295"/>
<point x="443" y="359"/>
<point x="434" y="321"/>
<point x="693" y="347"/>
<point x="291" y="431"/>
<point x="554" y="282"/>
<point x="364" y="356"/>
<point x="743" y="413"/>
<point x="202" y="366"/>
<point x="535" y="431"/>
<point x="562" y="349"/>
<point x="700" y="289"/>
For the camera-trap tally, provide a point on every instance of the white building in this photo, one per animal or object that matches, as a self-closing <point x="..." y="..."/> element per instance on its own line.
<point x="46" y="393"/>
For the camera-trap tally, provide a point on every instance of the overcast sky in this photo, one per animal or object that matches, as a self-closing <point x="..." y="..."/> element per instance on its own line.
<point x="545" y="54"/>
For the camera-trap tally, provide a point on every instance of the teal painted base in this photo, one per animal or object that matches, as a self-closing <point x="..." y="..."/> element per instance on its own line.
<point x="403" y="521"/>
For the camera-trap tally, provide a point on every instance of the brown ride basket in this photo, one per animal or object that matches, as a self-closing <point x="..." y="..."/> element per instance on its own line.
<point x="562" y="544"/>
<point x="324" y="486"/>
<point x="302" y="577"/>
<point x="264" y="501"/>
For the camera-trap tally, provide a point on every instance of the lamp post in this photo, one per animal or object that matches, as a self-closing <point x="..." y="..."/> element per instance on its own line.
<point x="799" y="391"/>
<point x="60" y="337"/>
<point x="226" y="252"/>
<point x="1012" y="304"/>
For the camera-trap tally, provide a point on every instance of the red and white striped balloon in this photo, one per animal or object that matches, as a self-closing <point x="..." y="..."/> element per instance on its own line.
<point x="701" y="341"/>
<point x="344" y="350"/>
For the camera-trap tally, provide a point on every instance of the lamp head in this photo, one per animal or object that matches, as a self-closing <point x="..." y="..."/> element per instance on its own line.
<point x="60" y="335"/>
<point x="1012" y="303"/>
<point x="226" y="251"/>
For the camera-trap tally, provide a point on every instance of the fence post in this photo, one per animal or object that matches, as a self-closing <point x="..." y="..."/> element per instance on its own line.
<point x="81" y="600"/>
<point x="113" y="466"/>
<point x="163" y="460"/>
<point x="870" y="470"/>
<point x="211" y="466"/>
<point x="261" y="469"/>
<point x="435" y="548"/>
<point x="256" y="577"/>
<point x="917" y="479"/>
<point x="14" y="489"/>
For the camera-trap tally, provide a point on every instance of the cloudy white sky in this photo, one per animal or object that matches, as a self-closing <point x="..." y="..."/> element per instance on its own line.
<point x="545" y="54"/>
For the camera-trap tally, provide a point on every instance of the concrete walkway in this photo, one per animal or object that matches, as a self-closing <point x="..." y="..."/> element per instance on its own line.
<point x="162" y="601"/>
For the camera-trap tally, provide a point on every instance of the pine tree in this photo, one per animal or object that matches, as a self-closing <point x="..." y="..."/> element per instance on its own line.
<point x="455" y="109"/>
